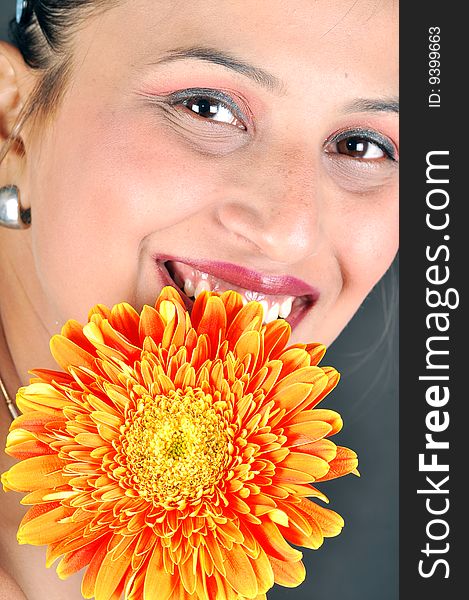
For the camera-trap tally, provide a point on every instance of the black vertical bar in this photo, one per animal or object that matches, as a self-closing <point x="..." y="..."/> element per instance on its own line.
<point x="433" y="314"/>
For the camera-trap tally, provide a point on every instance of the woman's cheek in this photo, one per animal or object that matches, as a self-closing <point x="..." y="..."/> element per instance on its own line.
<point x="164" y="179"/>
<point x="109" y="188"/>
<point x="368" y="244"/>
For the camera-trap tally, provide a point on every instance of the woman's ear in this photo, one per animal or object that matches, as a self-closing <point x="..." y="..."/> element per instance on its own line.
<point x="16" y="82"/>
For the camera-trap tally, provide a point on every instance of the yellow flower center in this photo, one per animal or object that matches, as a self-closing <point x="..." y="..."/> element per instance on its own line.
<point x="176" y="446"/>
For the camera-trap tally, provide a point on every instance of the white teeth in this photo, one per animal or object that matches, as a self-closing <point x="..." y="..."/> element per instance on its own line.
<point x="189" y="287"/>
<point x="251" y="295"/>
<point x="200" y="282"/>
<point x="273" y="313"/>
<point x="265" y="306"/>
<point x="285" y="307"/>
<point x="202" y="286"/>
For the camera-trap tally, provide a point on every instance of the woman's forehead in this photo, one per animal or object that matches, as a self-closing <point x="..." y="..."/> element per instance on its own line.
<point x="285" y="38"/>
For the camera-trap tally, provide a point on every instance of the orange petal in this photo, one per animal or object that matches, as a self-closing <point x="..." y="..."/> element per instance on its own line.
<point x="185" y="377"/>
<point x="49" y="376"/>
<point x="289" y="396"/>
<point x="288" y="574"/>
<point x="294" y="358"/>
<point x="218" y="588"/>
<point x="126" y="319"/>
<point x="100" y="310"/>
<point x="198" y="308"/>
<point x="345" y="462"/>
<point x="320" y="389"/>
<point x="318" y="414"/>
<point x="37" y="497"/>
<point x="89" y="580"/>
<point x="277" y="334"/>
<point x="311" y="375"/>
<point x="263" y="570"/>
<point x="212" y="321"/>
<point x="260" y="379"/>
<point x="302" y="433"/>
<point x="316" y="352"/>
<point x="158" y="583"/>
<point x="239" y="572"/>
<point x="179" y="593"/>
<point x="47" y="528"/>
<point x="187" y="575"/>
<point x="273" y="543"/>
<point x="302" y="490"/>
<point x="299" y="538"/>
<point x="230" y="531"/>
<point x="27" y="449"/>
<point x="118" y="395"/>
<point x="248" y="345"/>
<point x="201" y="352"/>
<point x="249" y="318"/>
<point x="330" y="522"/>
<point x="32" y="421"/>
<point x="35" y="473"/>
<point x="110" y="574"/>
<point x="73" y="330"/>
<point x="287" y="475"/>
<point x="311" y="465"/>
<point x="169" y="293"/>
<point x="233" y="304"/>
<point x="66" y="353"/>
<point x="333" y="379"/>
<point x="70" y="545"/>
<point x="75" y="560"/>
<point x="325" y="449"/>
<point x="37" y="511"/>
<point x="104" y="348"/>
<point x="302" y="530"/>
<point x="175" y="328"/>
<point x="151" y="324"/>
<point x="118" y="340"/>
<point x="42" y="397"/>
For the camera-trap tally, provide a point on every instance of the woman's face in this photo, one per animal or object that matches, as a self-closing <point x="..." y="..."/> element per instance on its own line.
<point x="237" y="144"/>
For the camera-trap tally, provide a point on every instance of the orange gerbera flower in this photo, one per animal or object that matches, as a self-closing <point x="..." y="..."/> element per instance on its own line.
<point x="173" y="455"/>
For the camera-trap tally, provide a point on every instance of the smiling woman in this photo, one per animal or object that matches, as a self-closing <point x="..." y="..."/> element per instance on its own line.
<point x="204" y="145"/>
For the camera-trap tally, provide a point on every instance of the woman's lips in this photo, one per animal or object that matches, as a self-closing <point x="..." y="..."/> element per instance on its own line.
<point x="281" y="296"/>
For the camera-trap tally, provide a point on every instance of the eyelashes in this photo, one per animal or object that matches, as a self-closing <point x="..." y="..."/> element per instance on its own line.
<point x="362" y="144"/>
<point x="213" y="105"/>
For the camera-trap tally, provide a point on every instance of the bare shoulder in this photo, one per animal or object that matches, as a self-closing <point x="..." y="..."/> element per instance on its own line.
<point x="9" y="589"/>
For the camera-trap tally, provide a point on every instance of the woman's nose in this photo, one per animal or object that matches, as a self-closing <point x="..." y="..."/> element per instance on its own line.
<point x="277" y="211"/>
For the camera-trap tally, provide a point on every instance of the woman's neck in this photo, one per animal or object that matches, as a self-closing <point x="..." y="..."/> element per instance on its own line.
<point x="8" y="374"/>
<point x="25" y="313"/>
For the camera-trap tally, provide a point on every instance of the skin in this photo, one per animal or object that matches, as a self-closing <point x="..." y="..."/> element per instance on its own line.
<point x="118" y="178"/>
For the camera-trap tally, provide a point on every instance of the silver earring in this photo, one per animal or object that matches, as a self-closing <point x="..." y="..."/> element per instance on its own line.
<point x="12" y="215"/>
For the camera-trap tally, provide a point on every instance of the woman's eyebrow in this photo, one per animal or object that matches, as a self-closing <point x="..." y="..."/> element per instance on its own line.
<point x="372" y="105"/>
<point x="225" y="59"/>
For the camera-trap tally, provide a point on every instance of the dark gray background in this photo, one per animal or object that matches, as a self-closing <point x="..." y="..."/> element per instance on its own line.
<point x="362" y="563"/>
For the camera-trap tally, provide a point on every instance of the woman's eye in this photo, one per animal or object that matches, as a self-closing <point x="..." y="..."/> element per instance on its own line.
<point x="212" y="109"/>
<point x="360" y="148"/>
<point x="362" y="145"/>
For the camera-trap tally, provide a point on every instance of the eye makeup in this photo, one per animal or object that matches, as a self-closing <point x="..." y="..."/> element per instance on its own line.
<point x="357" y="174"/>
<point x="367" y="135"/>
<point x="225" y="129"/>
<point x="181" y="97"/>
<point x="173" y="102"/>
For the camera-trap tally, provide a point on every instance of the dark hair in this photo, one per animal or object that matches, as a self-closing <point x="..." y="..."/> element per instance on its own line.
<point x="44" y="39"/>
